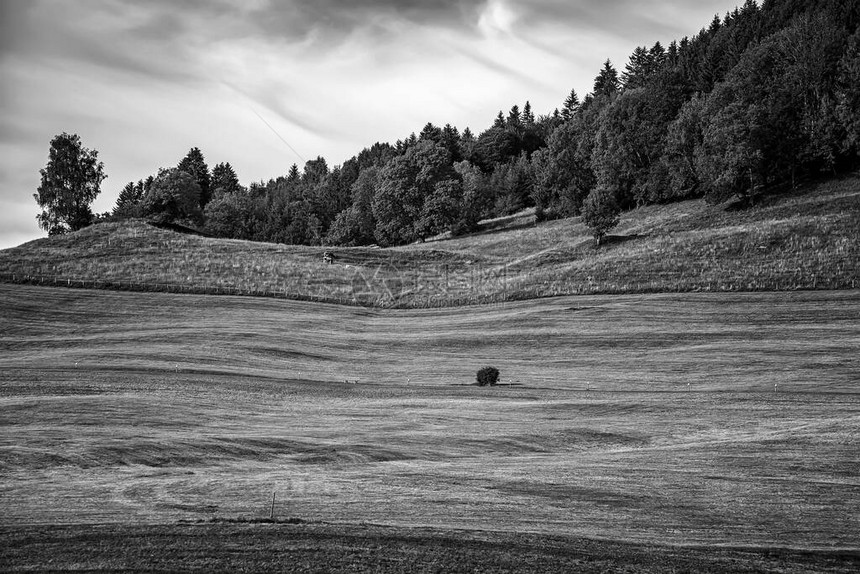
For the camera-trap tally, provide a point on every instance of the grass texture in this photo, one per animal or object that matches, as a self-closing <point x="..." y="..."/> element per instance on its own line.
<point x="147" y="409"/>
<point x="809" y="239"/>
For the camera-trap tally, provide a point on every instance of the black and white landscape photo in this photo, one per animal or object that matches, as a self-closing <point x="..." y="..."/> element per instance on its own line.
<point x="396" y="286"/>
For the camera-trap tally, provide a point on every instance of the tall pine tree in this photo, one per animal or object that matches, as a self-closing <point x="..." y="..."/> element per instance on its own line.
<point x="194" y="165"/>
<point x="606" y="83"/>
<point x="224" y="179"/>
<point x="571" y="105"/>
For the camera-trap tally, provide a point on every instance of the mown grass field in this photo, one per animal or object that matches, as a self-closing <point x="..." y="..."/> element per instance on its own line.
<point x="808" y="239"/>
<point x="696" y="432"/>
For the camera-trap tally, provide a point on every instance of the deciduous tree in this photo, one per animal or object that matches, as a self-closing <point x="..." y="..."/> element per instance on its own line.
<point x="601" y="211"/>
<point x="356" y="224"/>
<point x="70" y="183"/>
<point x="173" y="198"/>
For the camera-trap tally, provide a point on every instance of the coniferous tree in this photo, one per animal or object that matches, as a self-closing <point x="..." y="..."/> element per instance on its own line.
<point x="571" y="105"/>
<point x="528" y="115"/>
<point x="194" y="165"/>
<point x="715" y="26"/>
<point x="515" y="120"/>
<point x="430" y="133"/>
<point x="606" y="83"/>
<point x="656" y="58"/>
<point x="224" y="179"/>
<point x="466" y="145"/>
<point x="376" y="155"/>
<point x="513" y="184"/>
<point x="128" y="202"/>
<point x="672" y="54"/>
<point x="451" y="142"/>
<point x="500" y="120"/>
<point x="637" y="69"/>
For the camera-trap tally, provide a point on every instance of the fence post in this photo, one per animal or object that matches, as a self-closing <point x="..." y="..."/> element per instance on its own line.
<point x="272" y="514"/>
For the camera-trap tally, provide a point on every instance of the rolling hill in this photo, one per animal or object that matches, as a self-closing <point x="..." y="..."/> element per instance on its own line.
<point x="807" y="239"/>
<point x="703" y="432"/>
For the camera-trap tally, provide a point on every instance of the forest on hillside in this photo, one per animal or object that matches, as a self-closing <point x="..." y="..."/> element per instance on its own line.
<point x="763" y="97"/>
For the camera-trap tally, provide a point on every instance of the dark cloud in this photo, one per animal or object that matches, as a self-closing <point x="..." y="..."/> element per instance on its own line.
<point x="621" y="18"/>
<point x="50" y="30"/>
<point x="291" y="20"/>
<point x="298" y="20"/>
<point x="336" y="17"/>
<point x="160" y="27"/>
<point x="101" y="52"/>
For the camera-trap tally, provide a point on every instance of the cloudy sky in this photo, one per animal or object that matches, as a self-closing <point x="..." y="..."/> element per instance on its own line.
<point x="264" y="84"/>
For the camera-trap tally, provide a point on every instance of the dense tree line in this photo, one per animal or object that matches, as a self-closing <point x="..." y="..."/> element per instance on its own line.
<point x="764" y="96"/>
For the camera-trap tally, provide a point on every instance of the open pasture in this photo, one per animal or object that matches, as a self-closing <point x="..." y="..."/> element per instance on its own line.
<point x="120" y="408"/>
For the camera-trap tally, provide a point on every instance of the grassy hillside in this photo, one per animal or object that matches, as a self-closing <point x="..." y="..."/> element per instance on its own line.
<point x="809" y="239"/>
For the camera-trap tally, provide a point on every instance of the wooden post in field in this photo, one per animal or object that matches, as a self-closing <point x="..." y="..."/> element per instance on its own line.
<point x="272" y="514"/>
<point x="505" y="282"/>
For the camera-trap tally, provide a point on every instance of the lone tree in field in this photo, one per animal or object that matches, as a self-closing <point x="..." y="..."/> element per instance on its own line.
<point x="70" y="183"/>
<point x="601" y="212"/>
<point x="488" y="376"/>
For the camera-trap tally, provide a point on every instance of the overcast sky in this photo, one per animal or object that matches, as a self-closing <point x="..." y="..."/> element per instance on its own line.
<point x="264" y="84"/>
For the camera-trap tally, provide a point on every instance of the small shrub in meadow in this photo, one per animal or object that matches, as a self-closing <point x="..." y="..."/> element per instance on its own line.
<point x="488" y="376"/>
